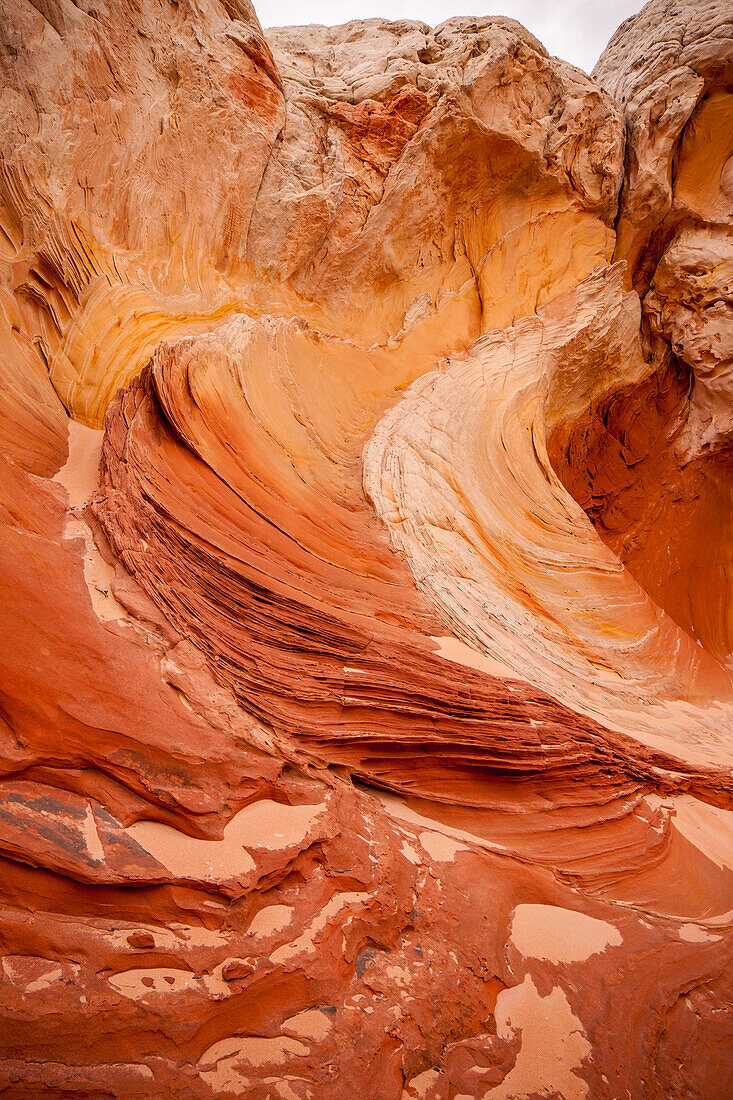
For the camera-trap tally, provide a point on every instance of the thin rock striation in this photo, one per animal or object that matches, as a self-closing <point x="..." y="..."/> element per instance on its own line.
<point x="366" y="482"/>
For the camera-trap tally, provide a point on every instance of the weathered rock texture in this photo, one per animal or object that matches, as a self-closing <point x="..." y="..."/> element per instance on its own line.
<point x="366" y="482"/>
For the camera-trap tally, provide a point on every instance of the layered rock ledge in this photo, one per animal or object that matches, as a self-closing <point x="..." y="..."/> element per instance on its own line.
<point x="366" y="497"/>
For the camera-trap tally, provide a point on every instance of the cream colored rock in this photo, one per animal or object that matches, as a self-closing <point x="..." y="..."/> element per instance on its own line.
<point x="660" y="64"/>
<point x="690" y="304"/>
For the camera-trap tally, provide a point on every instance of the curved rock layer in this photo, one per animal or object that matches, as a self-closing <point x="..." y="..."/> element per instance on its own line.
<point x="366" y="705"/>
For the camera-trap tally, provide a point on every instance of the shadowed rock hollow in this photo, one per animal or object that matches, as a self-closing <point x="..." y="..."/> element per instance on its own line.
<point x="366" y="497"/>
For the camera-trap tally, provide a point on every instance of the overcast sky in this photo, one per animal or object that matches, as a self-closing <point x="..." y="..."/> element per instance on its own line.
<point x="576" y="30"/>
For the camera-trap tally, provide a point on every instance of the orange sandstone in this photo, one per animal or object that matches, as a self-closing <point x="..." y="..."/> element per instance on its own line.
<point x="366" y="693"/>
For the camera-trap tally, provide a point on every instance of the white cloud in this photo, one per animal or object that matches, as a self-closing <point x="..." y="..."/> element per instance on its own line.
<point x="576" y="30"/>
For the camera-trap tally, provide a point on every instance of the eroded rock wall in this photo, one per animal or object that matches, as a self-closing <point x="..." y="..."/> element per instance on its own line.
<point x="366" y="700"/>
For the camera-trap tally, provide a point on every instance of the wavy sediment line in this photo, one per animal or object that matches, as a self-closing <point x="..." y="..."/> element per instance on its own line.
<point x="459" y="473"/>
<point x="529" y="888"/>
<point x="243" y="517"/>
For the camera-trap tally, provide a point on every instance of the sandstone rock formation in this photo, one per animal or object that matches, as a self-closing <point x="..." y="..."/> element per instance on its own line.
<point x="366" y="465"/>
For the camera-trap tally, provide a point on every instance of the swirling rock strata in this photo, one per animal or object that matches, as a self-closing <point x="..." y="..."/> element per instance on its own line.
<point x="366" y="704"/>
